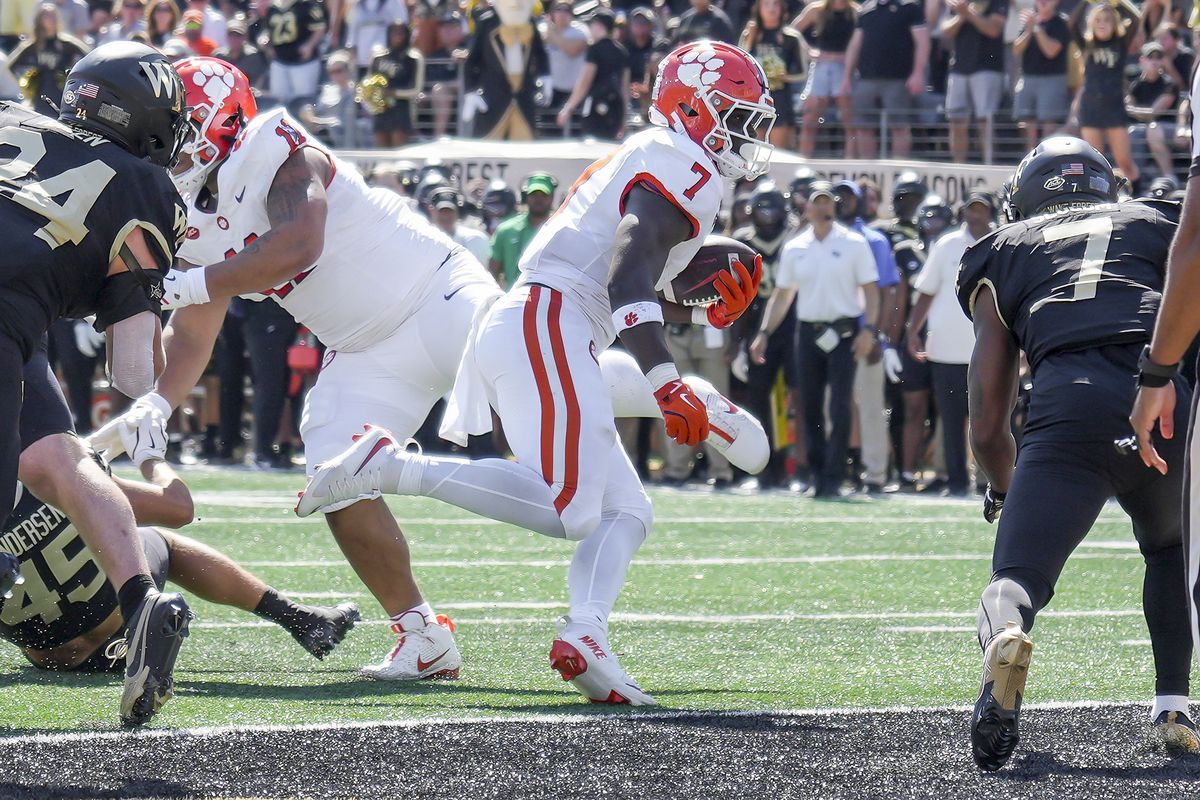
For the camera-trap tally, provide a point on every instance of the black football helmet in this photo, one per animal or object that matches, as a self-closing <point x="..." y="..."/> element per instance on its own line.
<point x="768" y="207"/>
<point x="131" y="95"/>
<point x="934" y="216"/>
<point x="499" y="200"/>
<point x="1060" y="171"/>
<point x="428" y="185"/>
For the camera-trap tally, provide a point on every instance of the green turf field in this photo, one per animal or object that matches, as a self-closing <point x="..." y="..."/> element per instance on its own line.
<point x="735" y="602"/>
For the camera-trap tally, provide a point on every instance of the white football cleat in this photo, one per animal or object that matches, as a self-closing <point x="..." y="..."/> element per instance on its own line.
<point x="361" y="470"/>
<point x="425" y="651"/>
<point x="735" y="433"/>
<point x="581" y="655"/>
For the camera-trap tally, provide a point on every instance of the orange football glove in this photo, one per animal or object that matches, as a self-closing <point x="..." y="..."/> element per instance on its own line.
<point x="736" y="295"/>
<point x="684" y="413"/>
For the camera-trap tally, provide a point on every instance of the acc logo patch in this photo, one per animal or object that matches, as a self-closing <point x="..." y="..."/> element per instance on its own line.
<point x="193" y="233"/>
<point x="1055" y="183"/>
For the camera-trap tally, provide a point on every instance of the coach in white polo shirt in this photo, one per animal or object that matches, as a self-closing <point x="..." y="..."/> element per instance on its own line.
<point x="951" y="336"/>
<point x="830" y="272"/>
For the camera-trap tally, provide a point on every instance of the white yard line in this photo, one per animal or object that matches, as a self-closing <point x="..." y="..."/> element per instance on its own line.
<point x="704" y="619"/>
<point x="512" y="719"/>
<point x="684" y="562"/>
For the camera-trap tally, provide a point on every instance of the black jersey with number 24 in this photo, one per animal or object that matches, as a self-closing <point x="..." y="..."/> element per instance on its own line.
<point x="68" y="200"/>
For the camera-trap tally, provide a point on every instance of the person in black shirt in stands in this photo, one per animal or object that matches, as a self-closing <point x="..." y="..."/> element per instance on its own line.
<point x="404" y="68"/>
<point x="1177" y="56"/>
<point x="41" y="63"/>
<point x="641" y="44"/>
<point x="778" y="50"/>
<point x="1106" y="35"/>
<point x="827" y="26"/>
<point x="603" y="86"/>
<point x="294" y="32"/>
<point x="975" y="31"/>
<point x="1153" y="100"/>
<point x="1042" y="100"/>
<point x="890" y="48"/>
<point x="704" y="21"/>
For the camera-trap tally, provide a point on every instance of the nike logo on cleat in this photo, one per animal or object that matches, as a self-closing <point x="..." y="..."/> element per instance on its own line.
<point x="594" y="646"/>
<point x="382" y="443"/>
<point x="424" y="665"/>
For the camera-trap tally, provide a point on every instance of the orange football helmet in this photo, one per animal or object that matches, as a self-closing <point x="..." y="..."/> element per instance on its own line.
<point x="219" y="104"/>
<point x="717" y="96"/>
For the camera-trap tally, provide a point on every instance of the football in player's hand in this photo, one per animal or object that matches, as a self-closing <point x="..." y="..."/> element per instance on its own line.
<point x="694" y="286"/>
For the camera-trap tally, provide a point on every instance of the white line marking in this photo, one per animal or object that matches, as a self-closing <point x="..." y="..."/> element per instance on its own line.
<point x="565" y="718"/>
<point x="1136" y="642"/>
<point x="715" y="619"/>
<point x="931" y="629"/>
<point x="690" y="562"/>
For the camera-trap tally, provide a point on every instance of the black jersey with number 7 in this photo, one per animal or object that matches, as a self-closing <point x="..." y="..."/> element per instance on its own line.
<point x="1077" y="279"/>
<point x="68" y="200"/>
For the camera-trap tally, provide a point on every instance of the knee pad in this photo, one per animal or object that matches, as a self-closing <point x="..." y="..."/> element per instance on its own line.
<point x="1003" y="601"/>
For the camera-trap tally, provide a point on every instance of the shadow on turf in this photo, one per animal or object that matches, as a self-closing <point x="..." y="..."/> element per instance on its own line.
<point x="1037" y="765"/>
<point x="137" y="787"/>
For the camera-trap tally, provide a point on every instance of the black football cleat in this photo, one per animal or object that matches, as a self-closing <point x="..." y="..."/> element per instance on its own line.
<point x="994" y="733"/>
<point x="10" y="574"/>
<point x="1177" y="732"/>
<point x="155" y="635"/>
<point x="327" y="629"/>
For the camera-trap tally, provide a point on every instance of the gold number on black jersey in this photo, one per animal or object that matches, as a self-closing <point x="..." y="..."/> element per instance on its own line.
<point x="35" y="598"/>
<point x="284" y="29"/>
<point x="1098" y="231"/>
<point x="78" y="187"/>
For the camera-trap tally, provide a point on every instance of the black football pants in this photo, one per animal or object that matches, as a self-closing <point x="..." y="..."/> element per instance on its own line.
<point x="1058" y="491"/>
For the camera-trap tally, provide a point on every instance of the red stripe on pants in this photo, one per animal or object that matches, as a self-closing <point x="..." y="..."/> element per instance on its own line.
<point x="545" y="398"/>
<point x="571" y="457"/>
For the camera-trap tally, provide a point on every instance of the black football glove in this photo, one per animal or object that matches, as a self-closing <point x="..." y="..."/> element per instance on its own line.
<point x="993" y="504"/>
<point x="10" y="574"/>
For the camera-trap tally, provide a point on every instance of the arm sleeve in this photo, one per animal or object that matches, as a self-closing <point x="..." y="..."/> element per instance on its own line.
<point x="865" y="269"/>
<point x="929" y="279"/>
<point x="785" y="274"/>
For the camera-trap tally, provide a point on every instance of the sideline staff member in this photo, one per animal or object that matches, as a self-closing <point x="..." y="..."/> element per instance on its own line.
<point x="835" y="268"/>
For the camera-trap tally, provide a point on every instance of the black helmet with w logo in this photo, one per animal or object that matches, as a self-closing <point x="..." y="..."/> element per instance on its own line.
<point x="130" y="94"/>
<point x="1060" y="171"/>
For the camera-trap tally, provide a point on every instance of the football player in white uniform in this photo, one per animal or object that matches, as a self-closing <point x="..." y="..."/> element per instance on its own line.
<point x="273" y="213"/>
<point x="632" y="222"/>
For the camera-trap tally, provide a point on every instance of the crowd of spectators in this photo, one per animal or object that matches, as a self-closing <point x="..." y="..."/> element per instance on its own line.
<point x="948" y="79"/>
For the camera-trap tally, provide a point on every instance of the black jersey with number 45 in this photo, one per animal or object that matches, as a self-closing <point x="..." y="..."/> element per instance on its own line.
<point x="68" y="200"/>
<point x="1075" y="280"/>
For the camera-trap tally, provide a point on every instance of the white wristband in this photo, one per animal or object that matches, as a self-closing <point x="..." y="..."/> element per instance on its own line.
<point x="637" y="313"/>
<point x="157" y="402"/>
<point x="663" y="374"/>
<point x="700" y="315"/>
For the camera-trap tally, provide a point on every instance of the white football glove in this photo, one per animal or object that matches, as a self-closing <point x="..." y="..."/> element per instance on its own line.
<point x="473" y="104"/>
<point x="893" y="367"/>
<point x="88" y="340"/>
<point x="182" y="288"/>
<point x="141" y="431"/>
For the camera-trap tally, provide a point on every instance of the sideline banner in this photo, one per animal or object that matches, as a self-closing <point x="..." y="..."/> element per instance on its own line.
<point x="473" y="159"/>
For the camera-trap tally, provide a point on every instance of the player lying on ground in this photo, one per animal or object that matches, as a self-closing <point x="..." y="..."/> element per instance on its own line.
<point x="630" y="225"/>
<point x="90" y="225"/>
<point x="1075" y="282"/>
<point x="65" y="614"/>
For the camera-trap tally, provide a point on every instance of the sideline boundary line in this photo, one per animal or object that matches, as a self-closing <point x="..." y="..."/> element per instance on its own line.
<point x="210" y="732"/>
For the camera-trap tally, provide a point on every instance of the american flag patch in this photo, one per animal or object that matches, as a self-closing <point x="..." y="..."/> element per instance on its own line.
<point x="88" y="90"/>
<point x="1072" y="169"/>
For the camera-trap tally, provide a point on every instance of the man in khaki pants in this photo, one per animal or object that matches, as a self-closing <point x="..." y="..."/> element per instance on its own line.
<point x="698" y="351"/>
